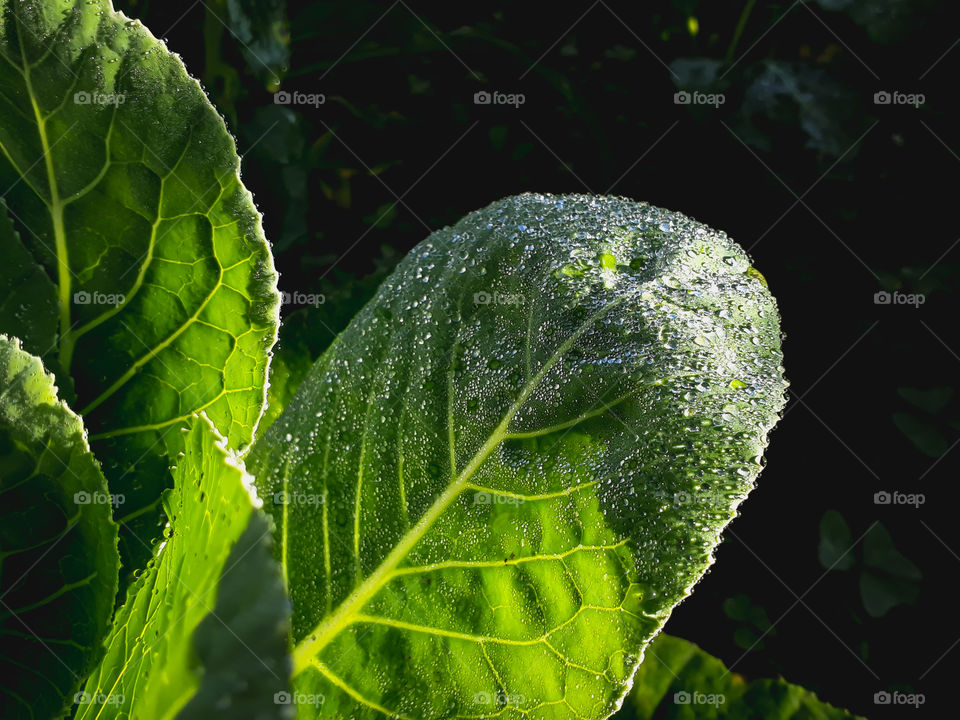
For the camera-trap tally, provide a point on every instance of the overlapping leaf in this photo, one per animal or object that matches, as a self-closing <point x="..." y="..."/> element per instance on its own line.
<point x="679" y="681"/>
<point x="28" y="299"/>
<point x="204" y="630"/>
<point x="123" y="185"/>
<point x="58" y="544"/>
<point x="497" y="483"/>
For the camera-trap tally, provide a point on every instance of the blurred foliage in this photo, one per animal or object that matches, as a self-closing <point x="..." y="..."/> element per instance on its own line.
<point x="928" y="433"/>
<point x="886" y="21"/>
<point x="336" y="175"/>
<point x="753" y="623"/>
<point x="261" y="27"/>
<point x="679" y="681"/>
<point x="886" y="578"/>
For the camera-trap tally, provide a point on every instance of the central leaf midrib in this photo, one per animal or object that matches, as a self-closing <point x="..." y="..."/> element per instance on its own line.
<point x="56" y="205"/>
<point x="331" y="625"/>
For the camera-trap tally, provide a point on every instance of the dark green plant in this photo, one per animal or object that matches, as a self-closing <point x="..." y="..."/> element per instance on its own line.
<point x="885" y="577"/>
<point x="486" y="497"/>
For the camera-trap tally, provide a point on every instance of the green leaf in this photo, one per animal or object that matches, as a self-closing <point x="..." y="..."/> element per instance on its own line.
<point x="291" y="364"/>
<point x="124" y="189"/>
<point x="28" y="299"/>
<point x="755" y="622"/>
<point x="204" y="630"/>
<point x="835" y="551"/>
<point x="496" y="484"/>
<point x="925" y="437"/>
<point x="741" y="608"/>
<point x="58" y="544"/>
<point x="262" y="30"/>
<point x="679" y="681"/>
<point x="888" y="579"/>
<point x="932" y="400"/>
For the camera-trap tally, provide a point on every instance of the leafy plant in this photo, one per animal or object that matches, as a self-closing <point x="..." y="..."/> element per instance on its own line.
<point x="510" y="420"/>
<point x="487" y="495"/>
<point x="151" y="292"/>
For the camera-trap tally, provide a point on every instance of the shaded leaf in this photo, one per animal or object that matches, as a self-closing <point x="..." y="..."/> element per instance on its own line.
<point x="836" y="542"/>
<point x="679" y="681"/>
<point x="932" y="400"/>
<point x="203" y="632"/>
<point x="881" y="593"/>
<point x="58" y="544"/>
<point x="792" y="94"/>
<point x="291" y="364"/>
<point x="888" y="579"/>
<point x="261" y="28"/>
<point x="925" y="437"/>
<point x="879" y="552"/>
<point x="28" y="299"/>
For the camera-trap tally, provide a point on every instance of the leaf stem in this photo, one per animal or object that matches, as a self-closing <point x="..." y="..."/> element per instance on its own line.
<point x="741" y="24"/>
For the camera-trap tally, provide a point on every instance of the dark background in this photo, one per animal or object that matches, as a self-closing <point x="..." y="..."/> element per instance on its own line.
<point x="836" y="197"/>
